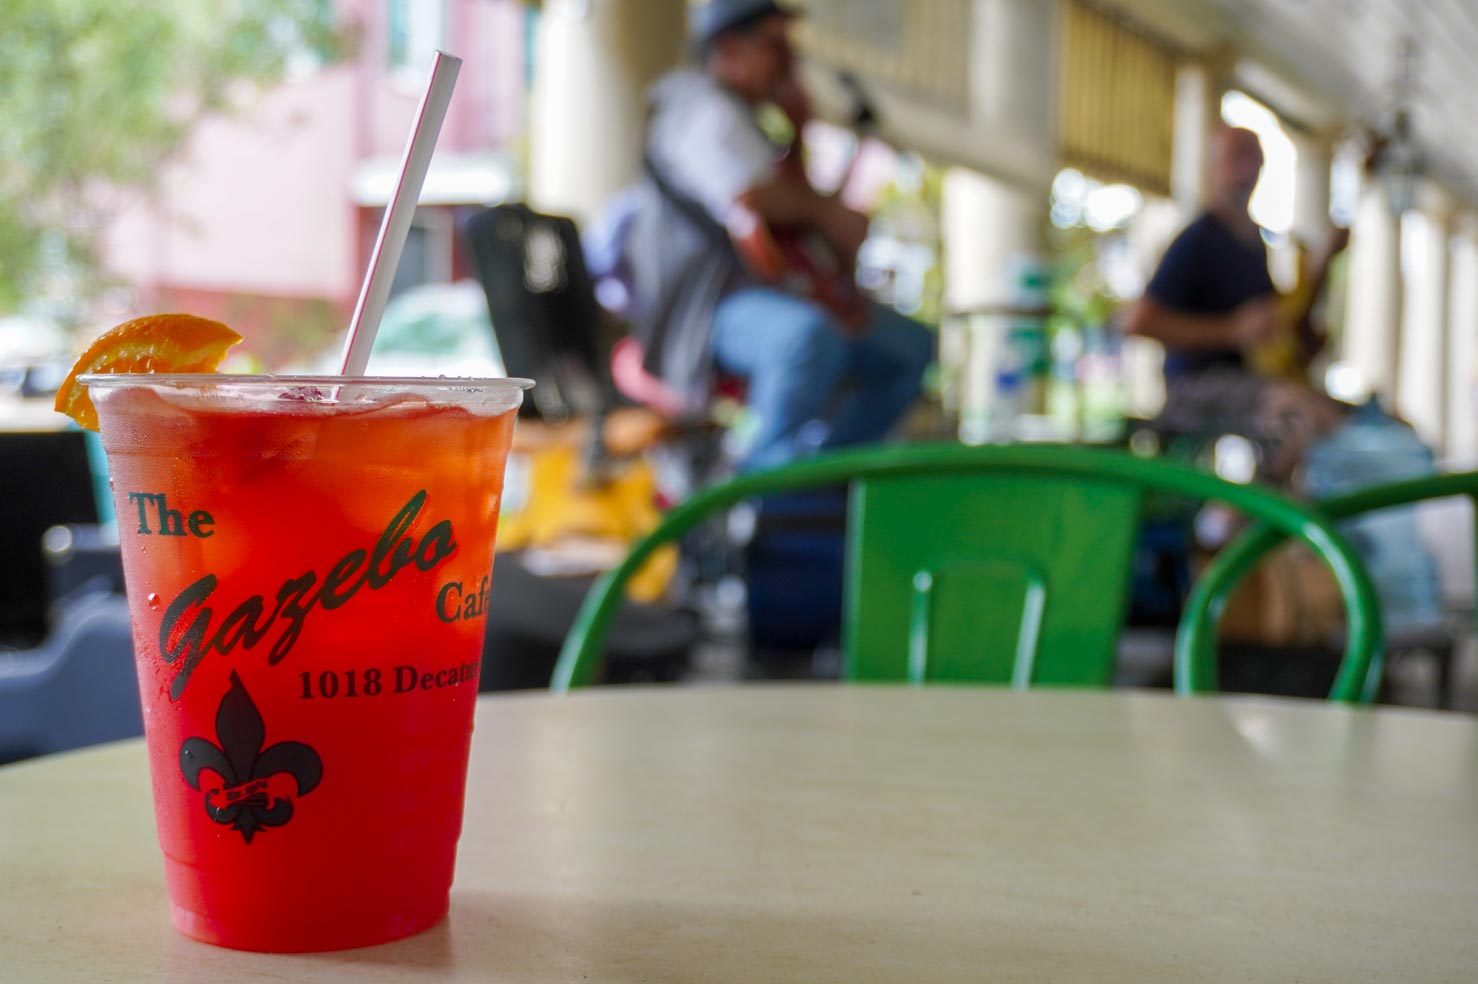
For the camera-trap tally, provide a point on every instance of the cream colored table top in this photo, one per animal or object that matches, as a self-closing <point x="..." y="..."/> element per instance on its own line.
<point x="851" y="834"/>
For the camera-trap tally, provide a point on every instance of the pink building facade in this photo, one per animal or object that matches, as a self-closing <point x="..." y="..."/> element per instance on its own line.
<point x="267" y="218"/>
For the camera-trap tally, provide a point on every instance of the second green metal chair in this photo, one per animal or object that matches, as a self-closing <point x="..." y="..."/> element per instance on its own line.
<point x="1196" y="662"/>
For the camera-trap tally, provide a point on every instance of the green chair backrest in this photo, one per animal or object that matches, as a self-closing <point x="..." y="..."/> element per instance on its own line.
<point x="987" y="576"/>
<point x="988" y="564"/>
<point x="1195" y="654"/>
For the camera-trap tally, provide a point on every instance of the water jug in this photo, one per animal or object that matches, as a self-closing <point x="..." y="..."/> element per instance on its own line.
<point x="1373" y="448"/>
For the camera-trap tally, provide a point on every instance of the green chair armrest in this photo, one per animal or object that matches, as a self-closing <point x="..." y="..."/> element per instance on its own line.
<point x="1195" y="652"/>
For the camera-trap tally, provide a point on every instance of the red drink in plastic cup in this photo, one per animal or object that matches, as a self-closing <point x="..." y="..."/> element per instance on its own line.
<point x="308" y="564"/>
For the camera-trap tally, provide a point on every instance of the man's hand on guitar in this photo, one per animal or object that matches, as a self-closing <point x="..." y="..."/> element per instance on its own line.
<point x="805" y="243"/>
<point x="845" y="229"/>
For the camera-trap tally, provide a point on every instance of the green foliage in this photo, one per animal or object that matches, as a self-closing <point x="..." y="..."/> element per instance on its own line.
<point x="97" y="95"/>
<point x="1079" y="296"/>
<point x="908" y="210"/>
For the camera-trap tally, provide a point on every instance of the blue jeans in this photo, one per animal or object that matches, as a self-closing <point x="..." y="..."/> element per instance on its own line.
<point x="810" y="386"/>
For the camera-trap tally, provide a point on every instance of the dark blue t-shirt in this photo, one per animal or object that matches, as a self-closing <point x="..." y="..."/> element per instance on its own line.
<point x="1208" y="270"/>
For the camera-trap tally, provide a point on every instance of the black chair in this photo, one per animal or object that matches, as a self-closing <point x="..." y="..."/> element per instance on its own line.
<point x="44" y="482"/>
<point x="550" y="329"/>
<point x="542" y="302"/>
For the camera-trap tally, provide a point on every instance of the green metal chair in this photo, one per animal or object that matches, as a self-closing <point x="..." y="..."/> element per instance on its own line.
<point x="1195" y="661"/>
<point x="990" y="564"/>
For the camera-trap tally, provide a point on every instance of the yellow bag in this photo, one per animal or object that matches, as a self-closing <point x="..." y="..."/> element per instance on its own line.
<point x="561" y="510"/>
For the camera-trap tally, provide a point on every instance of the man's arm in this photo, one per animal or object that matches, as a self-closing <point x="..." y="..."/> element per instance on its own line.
<point x="1312" y="337"/>
<point x="788" y="202"/>
<point x="1249" y="323"/>
<point x="1160" y="313"/>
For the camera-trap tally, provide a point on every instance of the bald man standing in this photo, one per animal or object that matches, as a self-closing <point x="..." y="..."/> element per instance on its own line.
<point x="1211" y="301"/>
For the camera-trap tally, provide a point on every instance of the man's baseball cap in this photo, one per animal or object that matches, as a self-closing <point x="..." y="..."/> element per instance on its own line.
<point x="708" y="20"/>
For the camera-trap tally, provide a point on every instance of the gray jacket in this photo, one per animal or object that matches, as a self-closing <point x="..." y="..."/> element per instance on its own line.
<point x="680" y="258"/>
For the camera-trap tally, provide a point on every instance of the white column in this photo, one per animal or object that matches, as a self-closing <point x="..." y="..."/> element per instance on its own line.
<point x="1013" y="75"/>
<point x="987" y="227"/>
<point x="993" y="231"/>
<point x="1373" y="305"/>
<point x="1422" y="363"/>
<point x="1197" y="113"/>
<point x="991" y="234"/>
<point x="594" y="60"/>
<point x="1311" y="224"/>
<point x="1462" y="334"/>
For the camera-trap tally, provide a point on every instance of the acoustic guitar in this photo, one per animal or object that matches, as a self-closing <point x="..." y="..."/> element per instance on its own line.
<point x="800" y="260"/>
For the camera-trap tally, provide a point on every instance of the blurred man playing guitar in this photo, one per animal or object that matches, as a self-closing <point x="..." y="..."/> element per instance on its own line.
<point x="738" y="263"/>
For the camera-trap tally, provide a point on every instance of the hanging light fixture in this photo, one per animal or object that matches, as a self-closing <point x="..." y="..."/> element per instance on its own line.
<point x="1398" y="165"/>
<point x="1396" y="160"/>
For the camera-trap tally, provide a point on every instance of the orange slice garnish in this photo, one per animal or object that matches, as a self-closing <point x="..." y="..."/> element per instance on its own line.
<point x="157" y="343"/>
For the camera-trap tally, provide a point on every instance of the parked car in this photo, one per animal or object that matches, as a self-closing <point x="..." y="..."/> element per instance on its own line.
<point x="430" y="330"/>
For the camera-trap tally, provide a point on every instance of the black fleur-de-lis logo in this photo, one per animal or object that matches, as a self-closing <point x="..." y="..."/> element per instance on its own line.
<point x="251" y="796"/>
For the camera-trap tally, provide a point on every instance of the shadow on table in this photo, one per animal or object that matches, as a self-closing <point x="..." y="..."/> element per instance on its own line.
<point x="537" y="938"/>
